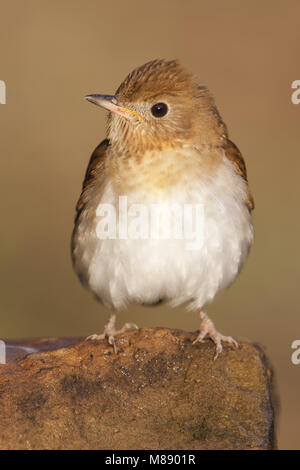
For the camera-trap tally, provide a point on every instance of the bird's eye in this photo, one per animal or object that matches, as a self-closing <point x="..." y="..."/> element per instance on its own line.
<point x="159" y="110"/>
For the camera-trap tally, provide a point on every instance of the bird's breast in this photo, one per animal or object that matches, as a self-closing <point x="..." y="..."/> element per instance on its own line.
<point x="122" y="257"/>
<point x="163" y="171"/>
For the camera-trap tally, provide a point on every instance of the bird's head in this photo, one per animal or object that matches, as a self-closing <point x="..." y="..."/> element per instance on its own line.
<point x="160" y="105"/>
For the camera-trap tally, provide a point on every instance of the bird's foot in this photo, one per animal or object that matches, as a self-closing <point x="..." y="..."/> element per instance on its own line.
<point x="110" y="332"/>
<point x="207" y="328"/>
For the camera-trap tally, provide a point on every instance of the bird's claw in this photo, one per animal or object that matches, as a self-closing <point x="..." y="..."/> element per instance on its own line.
<point x="207" y="328"/>
<point x="110" y="332"/>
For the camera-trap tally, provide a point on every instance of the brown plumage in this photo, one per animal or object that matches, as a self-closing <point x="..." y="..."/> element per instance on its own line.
<point x="156" y="154"/>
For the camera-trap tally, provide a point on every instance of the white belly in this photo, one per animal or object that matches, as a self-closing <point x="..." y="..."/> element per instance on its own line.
<point x="119" y="271"/>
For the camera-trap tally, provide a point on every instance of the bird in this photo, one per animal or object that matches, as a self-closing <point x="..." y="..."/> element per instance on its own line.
<point x="167" y="148"/>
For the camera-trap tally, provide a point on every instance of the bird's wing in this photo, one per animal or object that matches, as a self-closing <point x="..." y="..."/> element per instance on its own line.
<point x="94" y="169"/>
<point x="234" y="155"/>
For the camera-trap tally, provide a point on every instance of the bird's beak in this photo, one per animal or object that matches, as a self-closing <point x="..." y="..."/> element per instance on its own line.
<point x="111" y="103"/>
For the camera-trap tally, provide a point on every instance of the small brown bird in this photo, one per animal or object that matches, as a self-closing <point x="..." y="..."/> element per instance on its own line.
<point x="165" y="208"/>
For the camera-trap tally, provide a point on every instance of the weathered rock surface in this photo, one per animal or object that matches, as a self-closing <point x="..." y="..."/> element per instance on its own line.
<point x="158" y="392"/>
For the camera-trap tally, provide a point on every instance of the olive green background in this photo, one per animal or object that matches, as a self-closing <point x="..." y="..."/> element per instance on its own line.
<point x="52" y="53"/>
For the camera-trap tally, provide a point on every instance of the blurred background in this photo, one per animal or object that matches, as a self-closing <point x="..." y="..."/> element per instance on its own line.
<point x="53" y="52"/>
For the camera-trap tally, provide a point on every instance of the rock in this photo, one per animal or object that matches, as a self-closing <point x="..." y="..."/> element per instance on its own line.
<point x="158" y="392"/>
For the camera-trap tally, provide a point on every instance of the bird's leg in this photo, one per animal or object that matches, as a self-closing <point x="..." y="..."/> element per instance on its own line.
<point x="207" y="328"/>
<point x="110" y="331"/>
